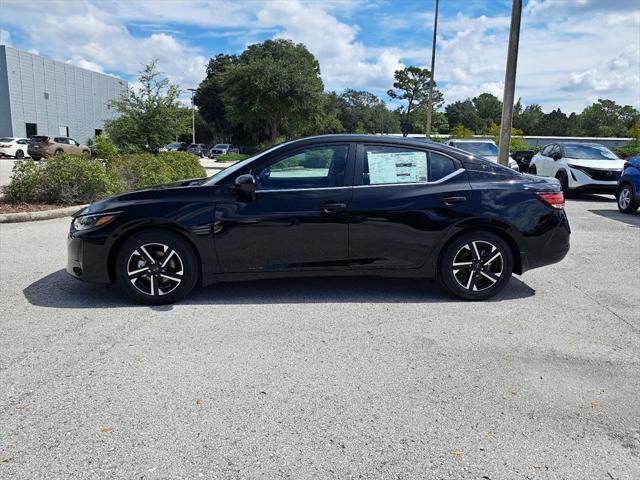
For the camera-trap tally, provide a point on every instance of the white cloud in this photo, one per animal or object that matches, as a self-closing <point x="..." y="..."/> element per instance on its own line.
<point x="344" y="61"/>
<point x="5" y="38"/>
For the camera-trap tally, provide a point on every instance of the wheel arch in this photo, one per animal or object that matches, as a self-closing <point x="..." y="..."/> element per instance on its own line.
<point x="162" y="227"/>
<point x="499" y="231"/>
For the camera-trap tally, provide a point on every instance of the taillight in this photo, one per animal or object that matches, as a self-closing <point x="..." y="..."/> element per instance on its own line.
<point x="554" y="200"/>
<point x="6" y="145"/>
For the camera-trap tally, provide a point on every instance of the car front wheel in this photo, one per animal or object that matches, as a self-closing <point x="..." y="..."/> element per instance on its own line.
<point x="476" y="266"/>
<point x="156" y="267"/>
<point x="627" y="202"/>
<point x="533" y="170"/>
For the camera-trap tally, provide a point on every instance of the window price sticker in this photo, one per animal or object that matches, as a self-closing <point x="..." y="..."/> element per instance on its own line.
<point x="397" y="167"/>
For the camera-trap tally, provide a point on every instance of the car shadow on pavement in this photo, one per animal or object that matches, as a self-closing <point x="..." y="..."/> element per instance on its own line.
<point x="59" y="290"/>
<point x="629" y="219"/>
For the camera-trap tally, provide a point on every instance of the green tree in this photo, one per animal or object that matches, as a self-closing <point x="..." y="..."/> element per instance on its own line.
<point x="149" y="115"/>
<point x="463" y="112"/>
<point x="529" y="120"/>
<point x="276" y="83"/>
<point x="412" y="86"/>
<point x="208" y="96"/>
<point x="460" y="131"/>
<point x="606" y="118"/>
<point x="489" y="109"/>
<point x="364" y="112"/>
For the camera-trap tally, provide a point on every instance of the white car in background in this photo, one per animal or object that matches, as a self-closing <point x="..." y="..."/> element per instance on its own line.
<point x="483" y="148"/>
<point x="14" y="147"/>
<point x="580" y="167"/>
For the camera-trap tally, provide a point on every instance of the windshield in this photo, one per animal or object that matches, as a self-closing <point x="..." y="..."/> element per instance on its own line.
<point x="174" y="145"/>
<point x="222" y="174"/>
<point x="589" y="152"/>
<point x="221" y="145"/>
<point x="484" y="149"/>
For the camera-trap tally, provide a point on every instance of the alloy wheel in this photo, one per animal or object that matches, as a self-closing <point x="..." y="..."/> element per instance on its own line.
<point x="478" y="265"/>
<point x="624" y="198"/>
<point x="155" y="269"/>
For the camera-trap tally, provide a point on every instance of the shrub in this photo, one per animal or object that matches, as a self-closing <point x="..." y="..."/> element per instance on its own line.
<point x="104" y="148"/>
<point x="184" y="165"/>
<point x="627" y="151"/>
<point x="141" y="170"/>
<point x="232" y="157"/>
<point x="460" y="131"/>
<point x="61" y="179"/>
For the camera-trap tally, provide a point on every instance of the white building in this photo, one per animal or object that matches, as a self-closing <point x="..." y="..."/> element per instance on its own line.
<point x="39" y="96"/>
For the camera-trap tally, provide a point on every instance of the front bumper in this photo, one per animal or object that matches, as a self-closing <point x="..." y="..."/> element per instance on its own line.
<point x="87" y="259"/>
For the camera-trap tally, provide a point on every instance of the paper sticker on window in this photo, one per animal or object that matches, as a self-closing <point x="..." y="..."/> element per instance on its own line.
<point x="397" y="167"/>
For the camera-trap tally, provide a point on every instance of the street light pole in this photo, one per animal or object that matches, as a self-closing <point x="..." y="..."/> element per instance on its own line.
<point x="193" y="116"/>
<point x="433" y="68"/>
<point x="509" y="84"/>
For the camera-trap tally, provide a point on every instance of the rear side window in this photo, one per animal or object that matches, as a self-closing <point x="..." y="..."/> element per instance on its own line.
<point x="546" y="151"/>
<point x="385" y="165"/>
<point x="440" y="166"/>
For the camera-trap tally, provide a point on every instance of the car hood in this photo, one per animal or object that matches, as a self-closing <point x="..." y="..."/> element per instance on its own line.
<point x="148" y="194"/>
<point x="600" y="164"/>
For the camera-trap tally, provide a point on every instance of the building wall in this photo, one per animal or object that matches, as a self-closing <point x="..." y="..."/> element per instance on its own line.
<point x="54" y="95"/>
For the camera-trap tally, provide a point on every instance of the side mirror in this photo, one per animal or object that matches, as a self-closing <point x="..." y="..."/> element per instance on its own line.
<point x="245" y="184"/>
<point x="557" y="156"/>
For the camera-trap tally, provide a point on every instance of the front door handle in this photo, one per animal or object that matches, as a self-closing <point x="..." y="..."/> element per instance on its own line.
<point x="331" y="208"/>
<point x="454" y="199"/>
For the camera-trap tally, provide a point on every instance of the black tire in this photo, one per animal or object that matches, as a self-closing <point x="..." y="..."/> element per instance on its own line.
<point x="36" y="158"/>
<point x="533" y="170"/>
<point x="564" y="181"/>
<point x="86" y="154"/>
<point x="58" y="152"/>
<point x="484" y="276"/>
<point x="626" y="199"/>
<point x="149" y="284"/>
<point x="19" y="154"/>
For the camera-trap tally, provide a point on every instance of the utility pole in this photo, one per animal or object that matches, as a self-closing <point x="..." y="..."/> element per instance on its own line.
<point x="193" y="115"/>
<point x="509" y="84"/>
<point x="433" y="68"/>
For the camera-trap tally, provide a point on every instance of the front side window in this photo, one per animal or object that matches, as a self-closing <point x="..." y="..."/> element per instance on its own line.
<point x="546" y="151"/>
<point x="61" y="140"/>
<point x="314" y="167"/>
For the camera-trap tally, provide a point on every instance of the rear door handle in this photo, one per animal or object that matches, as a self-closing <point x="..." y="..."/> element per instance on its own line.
<point x="454" y="199"/>
<point x="330" y="208"/>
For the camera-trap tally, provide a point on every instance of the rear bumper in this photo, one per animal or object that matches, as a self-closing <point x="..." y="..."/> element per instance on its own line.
<point x="596" y="188"/>
<point x="552" y="248"/>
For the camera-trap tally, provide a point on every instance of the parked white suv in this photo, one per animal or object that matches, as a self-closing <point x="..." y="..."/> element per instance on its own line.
<point x="483" y="148"/>
<point x="14" y="147"/>
<point x="580" y="167"/>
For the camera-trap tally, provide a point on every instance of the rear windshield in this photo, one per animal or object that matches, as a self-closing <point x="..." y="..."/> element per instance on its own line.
<point x="589" y="152"/>
<point x="39" y="139"/>
<point x="6" y="139"/>
<point x="221" y="145"/>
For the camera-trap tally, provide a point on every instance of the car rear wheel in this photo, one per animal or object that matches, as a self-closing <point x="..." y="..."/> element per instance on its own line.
<point x="156" y="268"/>
<point x="19" y="154"/>
<point x="627" y="202"/>
<point x="476" y="265"/>
<point x="57" y="153"/>
<point x="86" y="154"/>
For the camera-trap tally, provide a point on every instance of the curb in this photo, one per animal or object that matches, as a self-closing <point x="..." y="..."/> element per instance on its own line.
<point x="42" y="215"/>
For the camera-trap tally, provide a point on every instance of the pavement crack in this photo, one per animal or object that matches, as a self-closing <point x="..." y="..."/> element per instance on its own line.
<point x="602" y="305"/>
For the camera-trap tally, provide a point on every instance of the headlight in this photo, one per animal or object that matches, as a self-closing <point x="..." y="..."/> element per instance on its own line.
<point x="86" y="222"/>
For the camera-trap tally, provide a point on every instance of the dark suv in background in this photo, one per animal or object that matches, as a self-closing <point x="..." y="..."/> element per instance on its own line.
<point x="43" y="146"/>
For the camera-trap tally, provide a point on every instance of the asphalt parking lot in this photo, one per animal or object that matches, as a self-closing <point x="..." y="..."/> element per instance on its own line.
<point x="331" y="378"/>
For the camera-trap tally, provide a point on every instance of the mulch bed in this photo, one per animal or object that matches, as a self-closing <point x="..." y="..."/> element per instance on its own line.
<point x="6" y="207"/>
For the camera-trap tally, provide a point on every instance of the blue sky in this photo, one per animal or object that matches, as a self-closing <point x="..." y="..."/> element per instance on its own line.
<point x="572" y="51"/>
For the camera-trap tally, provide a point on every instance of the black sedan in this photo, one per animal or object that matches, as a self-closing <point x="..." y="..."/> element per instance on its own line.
<point x="327" y="205"/>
